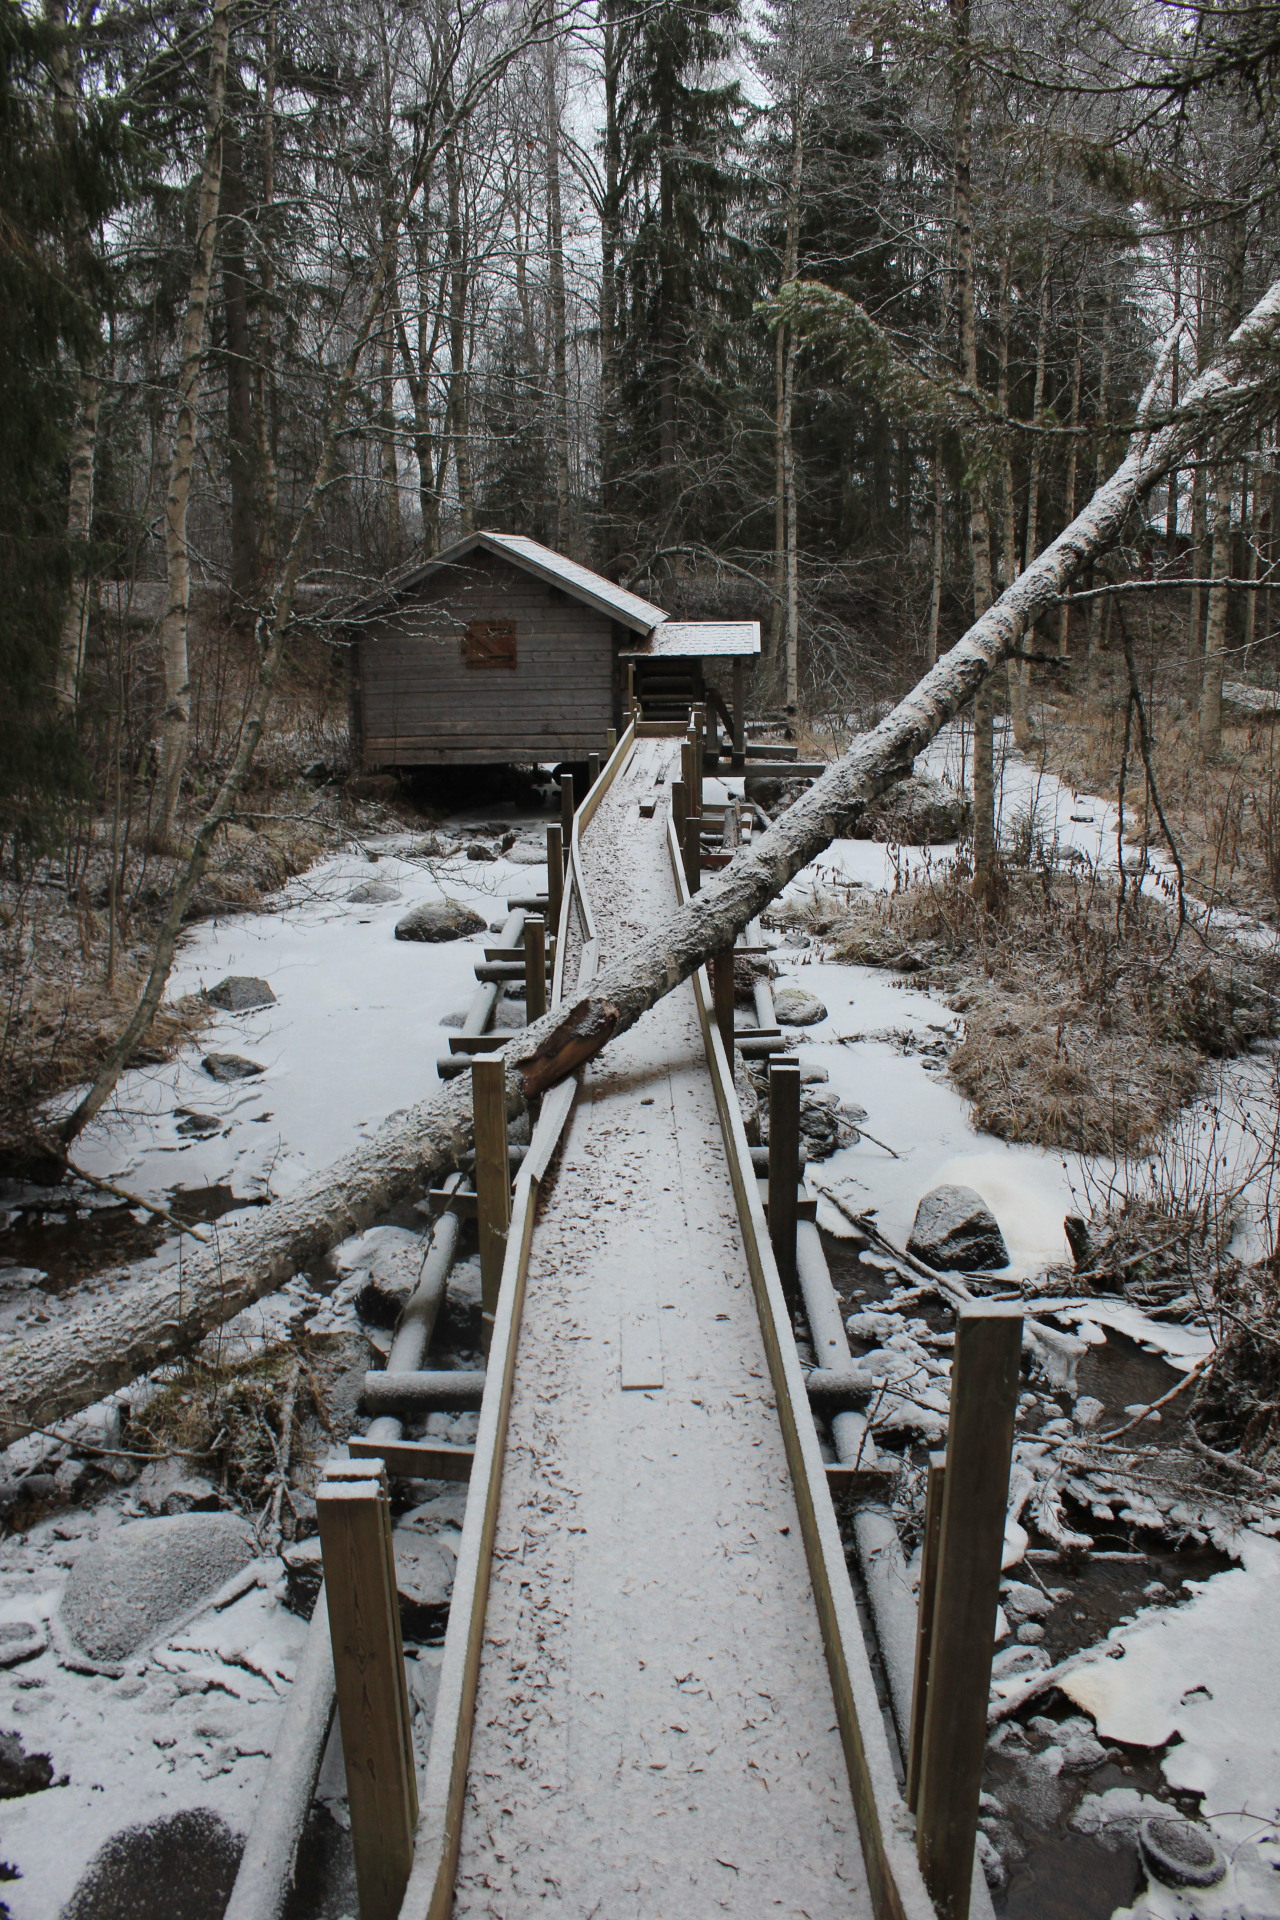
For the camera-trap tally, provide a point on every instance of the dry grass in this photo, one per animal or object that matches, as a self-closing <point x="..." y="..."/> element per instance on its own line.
<point x="1224" y="812"/>
<point x="1083" y="1028"/>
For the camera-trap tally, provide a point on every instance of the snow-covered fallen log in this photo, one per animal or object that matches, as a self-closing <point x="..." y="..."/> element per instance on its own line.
<point x="142" y="1321"/>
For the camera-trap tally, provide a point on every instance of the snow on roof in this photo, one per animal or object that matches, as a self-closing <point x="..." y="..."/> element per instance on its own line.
<point x="702" y="640"/>
<point x="581" y="581"/>
<point x="592" y="588"/>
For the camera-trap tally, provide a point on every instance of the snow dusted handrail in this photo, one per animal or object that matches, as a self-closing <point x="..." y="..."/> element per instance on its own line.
<point x="429" y="1894"/>
<point x="575" y="897"/>
<point x="894" y="1879"/>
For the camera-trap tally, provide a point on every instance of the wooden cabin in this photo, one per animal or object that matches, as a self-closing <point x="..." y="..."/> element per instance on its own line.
<point x="500" y="649"/>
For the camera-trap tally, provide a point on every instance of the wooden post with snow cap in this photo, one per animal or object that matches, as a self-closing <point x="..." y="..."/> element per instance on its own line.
<point x="354" y="1517"/>
<point x="535" y="967"/>
<point x="784" y="1169"/>
<point x="593" y="769"/>
<point x="493" y="1175"/>
<point x="555" y="877"/>
<point x="984" y="1399"/>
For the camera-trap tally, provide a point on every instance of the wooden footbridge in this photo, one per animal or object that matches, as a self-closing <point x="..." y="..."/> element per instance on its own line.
<point x="657" y="1697"/>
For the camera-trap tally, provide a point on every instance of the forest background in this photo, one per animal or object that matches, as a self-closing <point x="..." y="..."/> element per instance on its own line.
<point x="829" y="316"/>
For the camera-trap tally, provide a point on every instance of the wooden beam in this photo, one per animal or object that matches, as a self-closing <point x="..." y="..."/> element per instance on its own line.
<point x="354" y="1517"/>
<point x="693" y="851"/>
<point x="679" y="807"/>
<point x="493" y="1174"/>
<point x="566" y="812"/>
<point x="739" y="711"/>
<point x="415" y="1459"/>
<point x="984" y="1399"/>
<point x="722" y="991"/>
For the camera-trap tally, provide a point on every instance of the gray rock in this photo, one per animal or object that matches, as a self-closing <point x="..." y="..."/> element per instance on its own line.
<point x="22" y="1772"/>
<point x="527" y="853"/>
<point x="193" y="1125"/>
<point x="796" y="1008"/>
<point x="954" y="1227"/>
<point x="230" y="1066"/>
<point x="21" y="1640"/>
<point x="918" y="812"/>
<point x="240" y="993"/>
<point x="426" y="1558"/>
<point x="181" y="1863"/>
<point x="19" y="1279"/>
<point x="373" y="893"/>
<point x="127" y="1587"/>
<point x="437" y="920"/>
<point x="1179" y="1853"/>
<point x="479" y="851"/>
<point x="392" y="1259"/>
<point x="165" y="1486"/>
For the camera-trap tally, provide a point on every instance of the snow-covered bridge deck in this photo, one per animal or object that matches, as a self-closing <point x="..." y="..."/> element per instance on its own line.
<point x="656" y="1700"/>
<point x="655" y="1730"/>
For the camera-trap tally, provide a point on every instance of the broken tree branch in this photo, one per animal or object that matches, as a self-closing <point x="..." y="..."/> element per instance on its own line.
<point x="128" y="1328"/>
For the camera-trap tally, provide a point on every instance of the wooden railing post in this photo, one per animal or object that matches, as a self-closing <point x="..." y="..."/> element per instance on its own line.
<point x="693" y="851"/>
<point x="784" y="1168"/>
<point x="555" y="877"/>
<point x="493" y="1176"/>
<point x="593" y="769"/>
<point x="739" y="714"/>
<point x="566" y="812"/>
<point x="354" y="1517"/>
<point x="679" y="808"/>
<point x="722" y="998"/>
<point x="984" y="1400"/>
<point x="535" y="967"/>
<point x="924" y="1618"/>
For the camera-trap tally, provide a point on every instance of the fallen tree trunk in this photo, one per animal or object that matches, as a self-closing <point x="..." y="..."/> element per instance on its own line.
<point x="141" y="1321"/>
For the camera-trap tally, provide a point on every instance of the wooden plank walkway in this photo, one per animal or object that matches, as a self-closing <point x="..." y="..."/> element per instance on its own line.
<point x="655" y="1734"/>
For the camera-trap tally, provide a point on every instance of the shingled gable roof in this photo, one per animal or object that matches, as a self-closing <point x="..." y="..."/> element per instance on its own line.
<point x="579" y="582"/>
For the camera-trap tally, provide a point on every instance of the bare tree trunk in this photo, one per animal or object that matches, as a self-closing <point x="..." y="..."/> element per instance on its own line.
<point x="564" y="538"/>
<point x="176" y="722"/>
<point x="1215" y="633"/>
<point x="1015" y="673"/>
<point x="268" y="481"/>
<point x="785" y="542"/>
<point x="82" y="461"/>
<point x="128" y="1329"/>
<point x="1020" y="670"/>
<point x="1250" y="526"/>
<point x="1104" y="385"/>
<point x="1195" y="612"/>
<point x="984" y="816"/>
<point x="939" y="550"/>
<point x="1073" y="456"/>
<point x="242" y="435"/>
<point x="791" y="571"/>
<point x="610" y="226"/>
<point x="459" y="295"/>
<point x="83" y="449"/>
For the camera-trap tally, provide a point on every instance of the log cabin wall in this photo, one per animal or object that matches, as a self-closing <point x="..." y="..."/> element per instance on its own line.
<point x="416" y="701"/>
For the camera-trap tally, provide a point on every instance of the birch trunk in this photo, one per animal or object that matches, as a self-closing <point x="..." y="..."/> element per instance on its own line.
<point x="1215" y="632"/>
<point x="138" y="1323"/>
<point x="175" y="725"/>
<point x="559" y="324"/>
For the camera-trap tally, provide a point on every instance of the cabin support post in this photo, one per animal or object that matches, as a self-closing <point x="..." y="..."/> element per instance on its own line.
<point x="739" y="713"/>
<point x="493" y="1176"/>
<point x="535" y="967"/>
<point x="354" y="1516"/>
<point x="984" y="1399"/>
<point x="555" y="877"/>
<point x="593" y="769"/>
<point x="784" y="1168"/>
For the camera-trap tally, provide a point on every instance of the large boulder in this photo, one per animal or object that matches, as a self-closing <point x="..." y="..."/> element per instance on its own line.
<point x="919" y="812"/>
<point x="954" y="1227"/>
<point x="230" y="1066"/>
<point x="240" y="993"/>
<point x="797" y="1008"/>
<point x="126" y="1588"/>
<point x="437" y="920"/>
